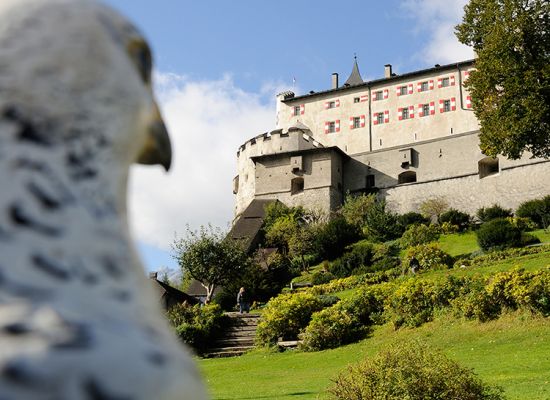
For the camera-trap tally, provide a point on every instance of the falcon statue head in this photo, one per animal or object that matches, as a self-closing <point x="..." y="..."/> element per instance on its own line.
<point x="78" y="319"/>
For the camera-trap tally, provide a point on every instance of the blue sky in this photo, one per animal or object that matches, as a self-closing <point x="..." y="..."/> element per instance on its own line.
<point x="219" y="64"/>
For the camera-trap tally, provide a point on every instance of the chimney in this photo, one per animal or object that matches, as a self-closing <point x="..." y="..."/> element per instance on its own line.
<point x="334" y="80"/>
<point x="153" y="275"/>
<point x="387" y="71"/>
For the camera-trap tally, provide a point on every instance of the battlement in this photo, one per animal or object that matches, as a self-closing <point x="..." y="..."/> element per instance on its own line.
<point x="279" y="141"/>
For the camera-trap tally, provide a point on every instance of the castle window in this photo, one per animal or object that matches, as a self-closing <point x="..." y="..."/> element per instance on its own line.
<point x="356" y="99"/>
<point x="446" y="105"/>
<point x="356" y="122"/>
<point x="380" y="118"/>
<point x="331" y="127"/>
<point x="369" y="182"/>
<point x="425" y="110"/>
<point x="487" y="166"/>
<point x="296" y="110"/>
<point x="296" y="185"/>
<point x="331" y="104"/>
<point x="378" y="95"/>
<point x="445" y="82"/>
<point x="424" y="86"/>
<point x="403" y="90"/>
<point x="406" y="177"/>
<point x="405" y="113"/>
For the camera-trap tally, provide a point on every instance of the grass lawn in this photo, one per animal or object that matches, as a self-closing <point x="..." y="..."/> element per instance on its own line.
<point x="513" y="352"/>
<point x="457" y="244"/>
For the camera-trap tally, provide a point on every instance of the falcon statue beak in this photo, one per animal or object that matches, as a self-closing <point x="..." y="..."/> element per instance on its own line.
<point x="157" y="148"/>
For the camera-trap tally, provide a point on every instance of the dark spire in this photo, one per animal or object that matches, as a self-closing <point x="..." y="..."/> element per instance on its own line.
<point x="355" y="77"/>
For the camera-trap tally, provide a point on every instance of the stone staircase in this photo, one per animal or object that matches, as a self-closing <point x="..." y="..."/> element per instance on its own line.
<point x="238" y="338"/>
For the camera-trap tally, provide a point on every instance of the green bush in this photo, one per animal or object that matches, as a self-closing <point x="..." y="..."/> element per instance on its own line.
<point x="537" y="210"/>
<point x="415" y="300"/>
<point x="412" y="371"/>
<point x="456" y="217"/>
<point x="430" y="256"/>
<point x="475" y="302"/>
<point x="197" y="325"/>
<point x="285" y="316"/>
<point x="486" y="214"/>
<point x="419" y="234"/>
<point x="360" y="255"/>
<point x="498" y="234"/>
<point x="321" y="277"/>
<point x="522" y="223"/>
<point x="333" y="237"/>
<point x="380" y="224"/>
<point x="345" y="322"/>
<point x="499" y="255"/>
<point x="411" y="218"/>
<point x="528" y="240"/>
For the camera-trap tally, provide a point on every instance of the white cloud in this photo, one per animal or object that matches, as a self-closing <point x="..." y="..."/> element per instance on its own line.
<point x="437" y="19"/>
<point x="207" y="122"/>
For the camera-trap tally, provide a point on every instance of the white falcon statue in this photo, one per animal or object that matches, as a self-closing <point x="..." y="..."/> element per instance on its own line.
<point x="77" y="318"/>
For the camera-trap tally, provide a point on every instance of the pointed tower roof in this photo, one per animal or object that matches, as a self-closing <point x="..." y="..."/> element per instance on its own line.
<point x="355" y="77"/>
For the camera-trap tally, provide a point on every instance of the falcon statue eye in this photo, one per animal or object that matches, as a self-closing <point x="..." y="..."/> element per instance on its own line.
<point x="141" y="56"/>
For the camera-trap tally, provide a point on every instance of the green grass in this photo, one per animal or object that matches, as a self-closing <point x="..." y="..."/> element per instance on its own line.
<point x="457" y="244"/>
<point x="513" y="352"/>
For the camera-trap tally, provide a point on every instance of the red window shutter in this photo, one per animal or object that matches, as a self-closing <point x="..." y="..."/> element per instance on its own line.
<point x="386" y="116"/>
<point x="350" y="122"/>
<point x="327" y="105"/>
<point x="410" y="88"/>
<point x="411" y="111"/>
<point x="375" y="119"/>
<point x="453" y="104"/>
<point x="399" y="114"/>
<point x="337" y="103"/>
<point x="326" y="126"/>
<point x="420" y="113"/>
<point x="440" y="106"/>
<point x="337" y="125"/>
<point x="439" y="82"/>
<point x="419" y="87"/>
<point x="364" y="98"/>
<point x="432" y="107"/>
<point x="302" y="109"/>
<point x="468" y="101"/>
<point x="373" y="96"/>
<point x="362" y="121"/>
<point x="398" y="90"/>
<point x="386" y="93"/>
<point x="431" y="84"/>
<point x="452" y="80"/>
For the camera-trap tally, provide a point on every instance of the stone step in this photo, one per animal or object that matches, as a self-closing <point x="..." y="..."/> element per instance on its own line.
<point x="228" y="351"/>
<point x="234" y="342"/>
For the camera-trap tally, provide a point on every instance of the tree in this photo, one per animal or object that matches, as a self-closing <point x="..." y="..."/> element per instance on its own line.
<point x="510" y="87"/>
<point x="433" y="208"/>
<point x="355" y="209"/>
<point x="210" y="257"/>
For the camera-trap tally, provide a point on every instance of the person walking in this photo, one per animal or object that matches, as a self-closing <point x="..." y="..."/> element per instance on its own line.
<point x="243" y="301"/>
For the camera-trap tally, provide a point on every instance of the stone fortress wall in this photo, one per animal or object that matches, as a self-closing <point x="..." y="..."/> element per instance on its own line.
<point x="358" y="138"/>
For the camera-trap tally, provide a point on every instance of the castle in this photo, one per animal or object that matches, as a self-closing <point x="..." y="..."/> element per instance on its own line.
<point x="408" y="137"/>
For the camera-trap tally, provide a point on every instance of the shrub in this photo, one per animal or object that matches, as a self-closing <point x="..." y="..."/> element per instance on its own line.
<point x="355" y="209"/>
<point x="522" y="223"/>
<point x="486" y="214"/>
<point x="195" y="325"/>
<point x="456" y="217"/>
<point x="433" y="208"/>
<point x="500" y="255"/>
<point x="414" y="301"/>
<point x="430" y="256"/>
<point x="475" y="302"/>
<point x="498" y="234"/>
<point x="537" y="210"/>
<point x="528" y="239"/>
<point x="411" y="218"/>
<point x="361" y="254"/>
<point x="380" y="224"/>
<point x="334" y="236"/>
<point x="410" y="370"/>
<point x="345" y="322"/>
<point x="419" y="234"/>
<point x="285" y="316"/>
<point x="321" y="277"/>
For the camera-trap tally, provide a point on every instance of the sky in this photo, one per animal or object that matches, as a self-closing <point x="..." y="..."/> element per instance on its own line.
<point x="219" y="65"/>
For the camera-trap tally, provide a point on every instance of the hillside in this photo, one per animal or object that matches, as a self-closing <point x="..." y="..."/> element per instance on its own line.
<point x="512" y="351"/>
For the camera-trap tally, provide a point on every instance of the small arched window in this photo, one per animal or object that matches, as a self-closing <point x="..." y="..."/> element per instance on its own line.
<point x="487" y="166"/>
<point x="406" y="177"/>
